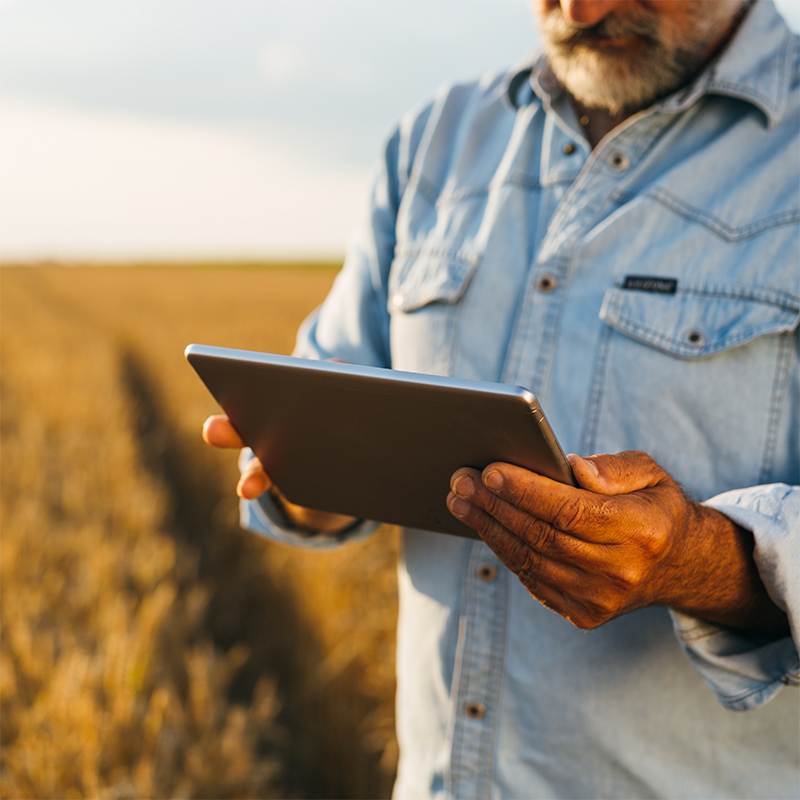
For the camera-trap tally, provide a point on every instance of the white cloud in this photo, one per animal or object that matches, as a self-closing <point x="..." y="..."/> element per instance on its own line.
<point x="78" y="184"/>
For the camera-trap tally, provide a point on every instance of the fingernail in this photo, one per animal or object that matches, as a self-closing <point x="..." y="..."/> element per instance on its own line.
<point x="459" y="507"/>
<point x="575" y="459"/>
<point x="463" y="486"/>
<point x="494" y="480"/>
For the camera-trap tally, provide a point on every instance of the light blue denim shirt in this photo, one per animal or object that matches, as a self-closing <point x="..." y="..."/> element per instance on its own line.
<point x="497" y="246"/>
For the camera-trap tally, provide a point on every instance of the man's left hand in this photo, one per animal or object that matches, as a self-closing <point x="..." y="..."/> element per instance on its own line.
<point x="628" y="537"/>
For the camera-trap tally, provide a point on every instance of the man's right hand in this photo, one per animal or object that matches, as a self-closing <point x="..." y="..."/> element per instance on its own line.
<point x="219" y="432"/>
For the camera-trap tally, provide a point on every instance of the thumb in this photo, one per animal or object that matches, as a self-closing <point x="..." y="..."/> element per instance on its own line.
<point x="622" y="473"/>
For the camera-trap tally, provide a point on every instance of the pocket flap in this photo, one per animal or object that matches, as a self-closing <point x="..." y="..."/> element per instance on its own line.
<point x="417" y="281"/>
<point x="697" y="324"/>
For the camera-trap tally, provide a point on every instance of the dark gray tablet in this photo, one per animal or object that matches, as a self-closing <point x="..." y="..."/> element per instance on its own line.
<point x="374" y="443"/>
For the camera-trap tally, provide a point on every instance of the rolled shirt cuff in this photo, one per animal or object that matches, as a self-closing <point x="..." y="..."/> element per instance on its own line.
<point x="746" y="670"/>
<point x="264" y="517"/>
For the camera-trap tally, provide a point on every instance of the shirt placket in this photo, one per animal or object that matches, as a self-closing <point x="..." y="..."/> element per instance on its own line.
<point x="481" y="649"/>
<point x="478" y="675"/>
<point x="578" y="210"/>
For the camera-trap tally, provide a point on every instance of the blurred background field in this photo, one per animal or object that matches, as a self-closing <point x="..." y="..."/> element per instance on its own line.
<point x="149" y="647"/>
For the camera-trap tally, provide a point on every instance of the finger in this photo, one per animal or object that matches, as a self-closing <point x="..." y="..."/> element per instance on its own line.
<point x="458" y="506"/>
<point x="581" y="513"/>
<point x="561" y="602"/>
<point x="549" y="596"/>
<point x="543" y="537"/>
<point x="533" y="567"/>
<point x="622" y="473"/>
<point x="254" y="481"/>
<point x="219" y="432"/>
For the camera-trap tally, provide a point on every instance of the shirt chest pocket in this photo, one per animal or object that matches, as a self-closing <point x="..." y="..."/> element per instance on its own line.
<point x="698" y="379"/>
<point x="423" y="304"/>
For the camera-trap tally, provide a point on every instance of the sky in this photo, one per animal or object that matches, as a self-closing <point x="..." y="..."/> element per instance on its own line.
<point x="219" y="129"/>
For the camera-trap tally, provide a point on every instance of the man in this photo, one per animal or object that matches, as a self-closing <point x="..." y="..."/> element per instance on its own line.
<point x="614" y="226"/>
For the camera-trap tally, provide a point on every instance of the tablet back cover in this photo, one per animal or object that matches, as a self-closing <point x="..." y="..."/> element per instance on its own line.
<point x="373" y="443"/>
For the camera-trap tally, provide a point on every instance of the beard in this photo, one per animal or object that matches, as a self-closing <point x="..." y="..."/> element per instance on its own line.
<point x="665" y="56"/>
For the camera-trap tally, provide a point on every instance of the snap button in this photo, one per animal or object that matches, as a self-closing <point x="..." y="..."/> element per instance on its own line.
<point x="569" y="149"/>
<point x="620" y="161"/>
<point x="547" y="283"/>
<point x="475" y="710"/>
<point x="695" y="338"/>
<point x="487" y="572"/>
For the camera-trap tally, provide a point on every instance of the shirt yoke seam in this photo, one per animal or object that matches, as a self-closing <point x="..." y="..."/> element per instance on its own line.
<point x="728" y="233"/>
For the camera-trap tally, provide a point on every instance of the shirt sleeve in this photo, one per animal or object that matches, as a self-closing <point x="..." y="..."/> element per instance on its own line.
<point x="745" y="671"/>
<point x="353" y="322"/>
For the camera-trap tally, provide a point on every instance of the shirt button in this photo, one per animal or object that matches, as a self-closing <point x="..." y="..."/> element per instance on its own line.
<point x="695" y="338"/>
<point x="398" y="299"/>
<point x="620" y="162"/>
<point x="547" y="283"/>
<point x="487" y="572"/>
<point x="475" y="710"/>
<point x="569" y="149"/>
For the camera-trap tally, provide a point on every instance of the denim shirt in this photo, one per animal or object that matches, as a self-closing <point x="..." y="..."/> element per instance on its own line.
<point x="648" y="293"/>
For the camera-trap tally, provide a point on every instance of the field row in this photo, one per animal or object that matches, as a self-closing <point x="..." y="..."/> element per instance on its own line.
<point x="149" y="647"/>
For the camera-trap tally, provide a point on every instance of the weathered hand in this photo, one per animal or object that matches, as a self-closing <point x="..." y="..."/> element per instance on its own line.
<point x="627" y="538"/>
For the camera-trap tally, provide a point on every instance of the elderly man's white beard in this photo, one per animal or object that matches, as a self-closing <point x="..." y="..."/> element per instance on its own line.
<point x="625" y="81"/>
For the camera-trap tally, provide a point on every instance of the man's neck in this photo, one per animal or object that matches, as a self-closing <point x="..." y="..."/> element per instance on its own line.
<point x="597" y="122"/>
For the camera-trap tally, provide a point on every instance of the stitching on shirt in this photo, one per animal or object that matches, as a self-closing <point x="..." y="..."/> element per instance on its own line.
<point x="515" y="178"/>
<point x="676" y="345"/>
<point x="720" y="229"/>
<point x="475" y="778"/>
<point x="598" y="388"/>
<point x="453" y="322"/>
<point x="427" y="189"/>
<point x="737" y="698"/>
<point x="737" y="90"/>
<point x="520" y="331"/>
<point x="697" y="632"/>
<point x="498" y="657"/>
<point x="452" y="770"/>
<point x="771" y="297"/>
<point x="462" y="256"/>
<point x="521" y="179"/>
<point x="776" y="404"/>
<point x="552" y="324"/>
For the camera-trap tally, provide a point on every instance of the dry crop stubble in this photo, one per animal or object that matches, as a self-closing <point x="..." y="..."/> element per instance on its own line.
<point x="123" y="525"/>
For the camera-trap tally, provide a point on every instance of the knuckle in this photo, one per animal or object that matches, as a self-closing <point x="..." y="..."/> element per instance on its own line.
<point x="629" y="576"/>
<point x="528" y="559"/>
<point x="570" y="514"/>
<point x="584" y="621"/>
<point x="654" y="541"/>
<point x="518" y="495"/>
<point x="536" y="533"/>
<point x="601" y="609"/>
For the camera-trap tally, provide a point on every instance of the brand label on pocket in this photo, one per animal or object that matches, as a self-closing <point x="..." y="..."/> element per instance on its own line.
<point x="650" y="283"/>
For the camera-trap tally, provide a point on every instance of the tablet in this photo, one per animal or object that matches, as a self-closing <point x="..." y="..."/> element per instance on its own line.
<point x="373" y="443"/>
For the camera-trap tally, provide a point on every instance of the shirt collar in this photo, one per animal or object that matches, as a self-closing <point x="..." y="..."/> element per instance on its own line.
<point x="755" y="67"/>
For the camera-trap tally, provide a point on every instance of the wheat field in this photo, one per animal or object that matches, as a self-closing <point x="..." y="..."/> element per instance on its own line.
<point x="149" y="647"/>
